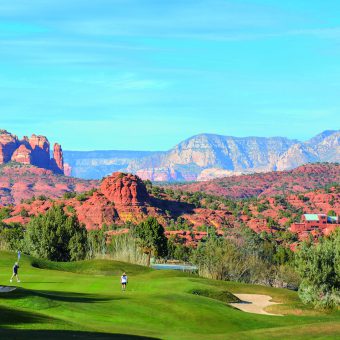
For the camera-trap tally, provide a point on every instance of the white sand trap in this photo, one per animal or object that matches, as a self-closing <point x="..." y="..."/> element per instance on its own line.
<point x="254" y="303"/>
<point x="6" y="289"/>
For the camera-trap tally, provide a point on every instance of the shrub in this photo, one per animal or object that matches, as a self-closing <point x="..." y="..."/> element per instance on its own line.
<point x="69" y="195"/>
<point x="5" y="213"/>
<point x="124" y="247"/>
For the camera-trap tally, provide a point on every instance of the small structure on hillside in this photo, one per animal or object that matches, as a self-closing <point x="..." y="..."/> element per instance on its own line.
<point x="315" y="222"/>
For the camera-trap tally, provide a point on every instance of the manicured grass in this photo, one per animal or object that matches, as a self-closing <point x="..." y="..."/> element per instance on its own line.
<point x="84" y="300"/>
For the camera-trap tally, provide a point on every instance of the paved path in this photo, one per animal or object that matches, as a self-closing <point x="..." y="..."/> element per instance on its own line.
<point x="6" y="289"/>
<point x="254" y="303"/>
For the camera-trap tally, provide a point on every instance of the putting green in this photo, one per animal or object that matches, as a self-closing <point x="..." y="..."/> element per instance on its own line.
<point x="84" y="300"/>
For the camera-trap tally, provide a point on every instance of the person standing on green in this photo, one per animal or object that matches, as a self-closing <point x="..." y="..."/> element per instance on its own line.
<point x="124" y="281"/>
<point x="15" y="272"/>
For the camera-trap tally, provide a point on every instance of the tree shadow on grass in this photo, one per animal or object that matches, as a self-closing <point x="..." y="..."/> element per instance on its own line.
<point x="22" y="293"/>
<point x="59" y="334"/>
<point x="9" y="316"/>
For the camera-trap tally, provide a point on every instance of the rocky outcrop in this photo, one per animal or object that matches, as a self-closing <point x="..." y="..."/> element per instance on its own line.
<point x="40" y="151"/>
<point x="57" y="162"/>
<point x="8" y="144"/>
<point x="22" y="155"/>
<point x="34" y="151"/>
<point x="125" y="189"/>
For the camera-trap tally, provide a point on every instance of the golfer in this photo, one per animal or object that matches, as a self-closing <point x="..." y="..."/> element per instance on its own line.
<point x="124" y="281"/>
<point x="15" y="272"/>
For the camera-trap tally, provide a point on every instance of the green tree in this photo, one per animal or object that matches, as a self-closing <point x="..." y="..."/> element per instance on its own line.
<point x="319" y="269"/>
<point x="12" y="236"/>
<point x="151" y="238"/>
<point x="56" y="236"/>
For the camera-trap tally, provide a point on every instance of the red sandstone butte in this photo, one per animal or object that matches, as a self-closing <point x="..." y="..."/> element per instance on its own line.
<point x="125" y="189"/>
<point x="34" y="151"/>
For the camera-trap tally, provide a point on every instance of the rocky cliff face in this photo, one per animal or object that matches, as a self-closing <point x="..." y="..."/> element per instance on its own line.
<point x="187" y="160"/>
<point x="324" y="147"/>
<point x="57" y="162"/>
<point x="208" y="156"/>
<point x="34" y="151"/>
<point x="8" y="144"/>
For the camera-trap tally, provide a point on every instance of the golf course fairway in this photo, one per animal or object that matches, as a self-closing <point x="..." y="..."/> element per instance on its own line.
<point x="83" y="300"/>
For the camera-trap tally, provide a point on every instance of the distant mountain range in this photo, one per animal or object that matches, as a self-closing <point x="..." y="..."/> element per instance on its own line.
<point x="208" y="156"/>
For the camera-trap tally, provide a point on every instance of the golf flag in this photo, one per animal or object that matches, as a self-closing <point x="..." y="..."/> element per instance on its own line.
<point x="19" y="254"/>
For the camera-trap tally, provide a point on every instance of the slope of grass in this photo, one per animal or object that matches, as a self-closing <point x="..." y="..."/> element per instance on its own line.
<point x="94" y="267"/>
<point x="84" y="300"/>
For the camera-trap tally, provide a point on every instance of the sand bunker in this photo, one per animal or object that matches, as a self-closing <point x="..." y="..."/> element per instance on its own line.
<point x="254" y="303"/>
<point x="6" y="289"/>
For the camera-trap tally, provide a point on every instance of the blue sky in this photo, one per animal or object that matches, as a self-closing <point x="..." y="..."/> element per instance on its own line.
<point x="146" y="74"/>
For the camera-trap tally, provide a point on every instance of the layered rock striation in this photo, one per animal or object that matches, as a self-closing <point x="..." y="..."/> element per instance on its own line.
<point x="30" y="151"/>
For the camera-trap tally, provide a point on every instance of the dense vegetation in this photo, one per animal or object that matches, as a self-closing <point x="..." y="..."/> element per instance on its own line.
<point x="246" y="257"/>
<point x="319" y="268"/>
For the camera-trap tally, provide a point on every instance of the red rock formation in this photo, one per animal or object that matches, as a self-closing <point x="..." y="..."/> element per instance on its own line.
<point x="58" y="156"/>
<point x="96" y="211"/>
<point x="8" y="144"/>
<point x="40" y="151"/>
<point x="34" y="150"/>
<point x="57" y="162"/>
<point x="22" y="155"/>
<point x="125" y="189"/>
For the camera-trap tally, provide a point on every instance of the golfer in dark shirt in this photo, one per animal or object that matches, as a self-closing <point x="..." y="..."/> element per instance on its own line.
<point x="15" y="272"/>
